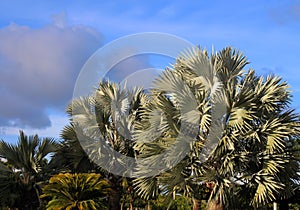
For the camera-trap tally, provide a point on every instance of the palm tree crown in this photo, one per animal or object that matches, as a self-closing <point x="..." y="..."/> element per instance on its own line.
<point x="76" y="192"/>
<point x="255" y="133"/>
<point x="25" y="164"/>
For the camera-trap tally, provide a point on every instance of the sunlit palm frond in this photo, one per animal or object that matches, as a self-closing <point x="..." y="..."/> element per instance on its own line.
<point x="81" y="191"/>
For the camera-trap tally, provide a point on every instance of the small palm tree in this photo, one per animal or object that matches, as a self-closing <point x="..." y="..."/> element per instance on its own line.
<point x="11" y="191"/>
<point x="25" y="165"/>
<point x="103" y="120"/>
<point x="76" y="192"/>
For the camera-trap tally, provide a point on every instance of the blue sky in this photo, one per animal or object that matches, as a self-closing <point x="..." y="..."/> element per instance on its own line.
<point x="44" y="44"/>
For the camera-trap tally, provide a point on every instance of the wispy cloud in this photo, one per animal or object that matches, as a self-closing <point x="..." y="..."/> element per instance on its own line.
<point x="285" y="13"/>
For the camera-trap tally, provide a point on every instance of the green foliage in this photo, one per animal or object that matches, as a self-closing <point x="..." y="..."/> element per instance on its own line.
<point x="253" y="162"/>
<point x="23" y="169"/>
<point x="179" y="203"/>
<point x="182" y="203"/>
<point x="10" y="187"/>
<point x="70" y="156"/>
<point x="97" y="123"/>
<point x="76" y="192"/>
<point x="255" y="153"/>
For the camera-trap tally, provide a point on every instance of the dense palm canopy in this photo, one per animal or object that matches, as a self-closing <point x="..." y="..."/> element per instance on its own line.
<point x="222" y="131"/>
<point x="76" y="192"/>
<point x="208" y="129"/>
<point x="23" y="166"/>
<point x="254" y="153"/>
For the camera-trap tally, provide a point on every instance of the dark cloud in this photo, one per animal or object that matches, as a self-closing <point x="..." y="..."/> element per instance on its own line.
<point x="38" y="69"/>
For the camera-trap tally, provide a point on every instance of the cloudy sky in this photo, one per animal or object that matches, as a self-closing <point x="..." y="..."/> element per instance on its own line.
<point x="44" y="45"/>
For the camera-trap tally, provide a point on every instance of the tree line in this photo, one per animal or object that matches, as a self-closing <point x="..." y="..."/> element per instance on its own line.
<point x="211" y="134"/>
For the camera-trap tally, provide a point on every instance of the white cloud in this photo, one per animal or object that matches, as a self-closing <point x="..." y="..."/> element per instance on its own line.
<point x="38" y="69"/>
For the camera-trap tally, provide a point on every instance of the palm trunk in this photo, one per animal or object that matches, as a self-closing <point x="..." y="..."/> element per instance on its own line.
<point x="38" y="194"/>
<point x="114" y="200"/>
<point x="131" y="203"/>
<point x="148" y="207"/>
<point x="130" y="206"/>
<point x="283" y="205"/>
<point x="196" y="203"/>
<point x="214" y="205"/>
<point x="30" y="200"/>
<point x="275" y="206"/>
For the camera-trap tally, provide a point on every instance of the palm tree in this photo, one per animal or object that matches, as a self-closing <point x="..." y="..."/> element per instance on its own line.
<point x="76" y="191"/>
<point x="104" y="120"/>
<point x="70" y="156"/>
<point x="11" y="191"/>
<point x="25" y="166"/>
<point x="178" y="100"/>
<point x="253" y="151"/>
